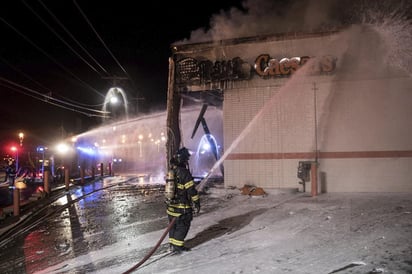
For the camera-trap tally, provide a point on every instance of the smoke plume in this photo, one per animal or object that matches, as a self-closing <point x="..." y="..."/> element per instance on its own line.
<point x="265" y="17"/>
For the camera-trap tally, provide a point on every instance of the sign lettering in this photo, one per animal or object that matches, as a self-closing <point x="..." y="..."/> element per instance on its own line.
<point x="191" y="71"/>
<point x="265" y="66"/>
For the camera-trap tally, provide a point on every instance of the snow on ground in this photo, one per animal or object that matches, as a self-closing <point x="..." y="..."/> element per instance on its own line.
<point x="282" y="232"/>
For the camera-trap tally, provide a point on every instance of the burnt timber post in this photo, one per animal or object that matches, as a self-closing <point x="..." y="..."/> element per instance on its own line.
<point x="173" y="112"/>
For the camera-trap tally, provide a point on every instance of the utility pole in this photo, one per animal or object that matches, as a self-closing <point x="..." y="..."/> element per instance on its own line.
<point x="315" y="89"/>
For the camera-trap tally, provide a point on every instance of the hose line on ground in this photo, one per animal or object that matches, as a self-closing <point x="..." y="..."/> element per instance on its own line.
<point x="153" y="249"/>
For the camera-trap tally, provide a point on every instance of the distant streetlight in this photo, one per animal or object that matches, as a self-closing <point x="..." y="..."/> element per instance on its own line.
<point x="21" y="137"/>
<point x="157" y="142"/>
<point x="114" y="100"/>
<point x="115" y="96"/>
<point x="62" y="148"/>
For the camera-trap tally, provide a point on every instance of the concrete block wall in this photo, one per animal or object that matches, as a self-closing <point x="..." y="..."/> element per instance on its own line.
<point x="267" y="133"/>
<point x="363" y="135"/>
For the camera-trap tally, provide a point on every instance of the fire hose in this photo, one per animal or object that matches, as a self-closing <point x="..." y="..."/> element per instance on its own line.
<point x="148" y="255"/>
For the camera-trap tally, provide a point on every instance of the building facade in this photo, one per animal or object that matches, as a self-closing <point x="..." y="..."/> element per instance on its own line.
<point x="337" y="99"/>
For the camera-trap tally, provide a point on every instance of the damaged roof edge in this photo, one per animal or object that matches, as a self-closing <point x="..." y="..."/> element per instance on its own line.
<point x="181" y="47"/>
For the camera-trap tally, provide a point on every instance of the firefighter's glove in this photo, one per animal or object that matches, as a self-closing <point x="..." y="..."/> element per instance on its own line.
<point x="197" y="208"/>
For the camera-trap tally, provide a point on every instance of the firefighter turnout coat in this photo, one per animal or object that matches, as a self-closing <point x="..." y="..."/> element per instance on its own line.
<point x="185" y="195"/>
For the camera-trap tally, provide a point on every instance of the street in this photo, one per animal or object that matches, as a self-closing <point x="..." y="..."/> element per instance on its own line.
<point x="85" y="219"/>
<point x="110" y="226"/>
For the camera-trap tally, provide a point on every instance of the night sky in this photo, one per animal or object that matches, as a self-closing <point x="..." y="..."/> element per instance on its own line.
<point x="68" y="49"/>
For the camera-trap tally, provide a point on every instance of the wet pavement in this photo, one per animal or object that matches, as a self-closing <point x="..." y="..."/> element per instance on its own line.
<point x="87" y="217"/>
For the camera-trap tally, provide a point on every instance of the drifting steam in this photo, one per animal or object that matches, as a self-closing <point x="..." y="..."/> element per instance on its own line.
<point x="393" y="18"/>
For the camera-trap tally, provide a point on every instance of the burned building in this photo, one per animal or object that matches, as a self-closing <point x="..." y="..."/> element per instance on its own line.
<point x="336" y="99"/>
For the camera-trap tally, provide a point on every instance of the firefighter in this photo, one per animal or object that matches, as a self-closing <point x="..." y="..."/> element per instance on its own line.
<point x="183" y="202"/>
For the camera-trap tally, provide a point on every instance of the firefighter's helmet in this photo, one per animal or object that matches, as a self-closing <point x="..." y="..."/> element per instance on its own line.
<point x="182" y="156"/>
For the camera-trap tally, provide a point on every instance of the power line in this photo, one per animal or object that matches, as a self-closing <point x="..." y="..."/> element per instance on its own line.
<point x="47" y="89"/>
<point x="98" y="36"/>
<point x="45" y="98"/>
<point x="79" y="103"/>
<point x="74" y="39"/>
<point x="50" y="57"/>
<point x="49" y="99"/>
<point x="61" y="38"/>
<point x="101" y="40"/>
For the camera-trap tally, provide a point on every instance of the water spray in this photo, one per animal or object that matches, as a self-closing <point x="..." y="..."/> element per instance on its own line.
<point x="266" y="106"/>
